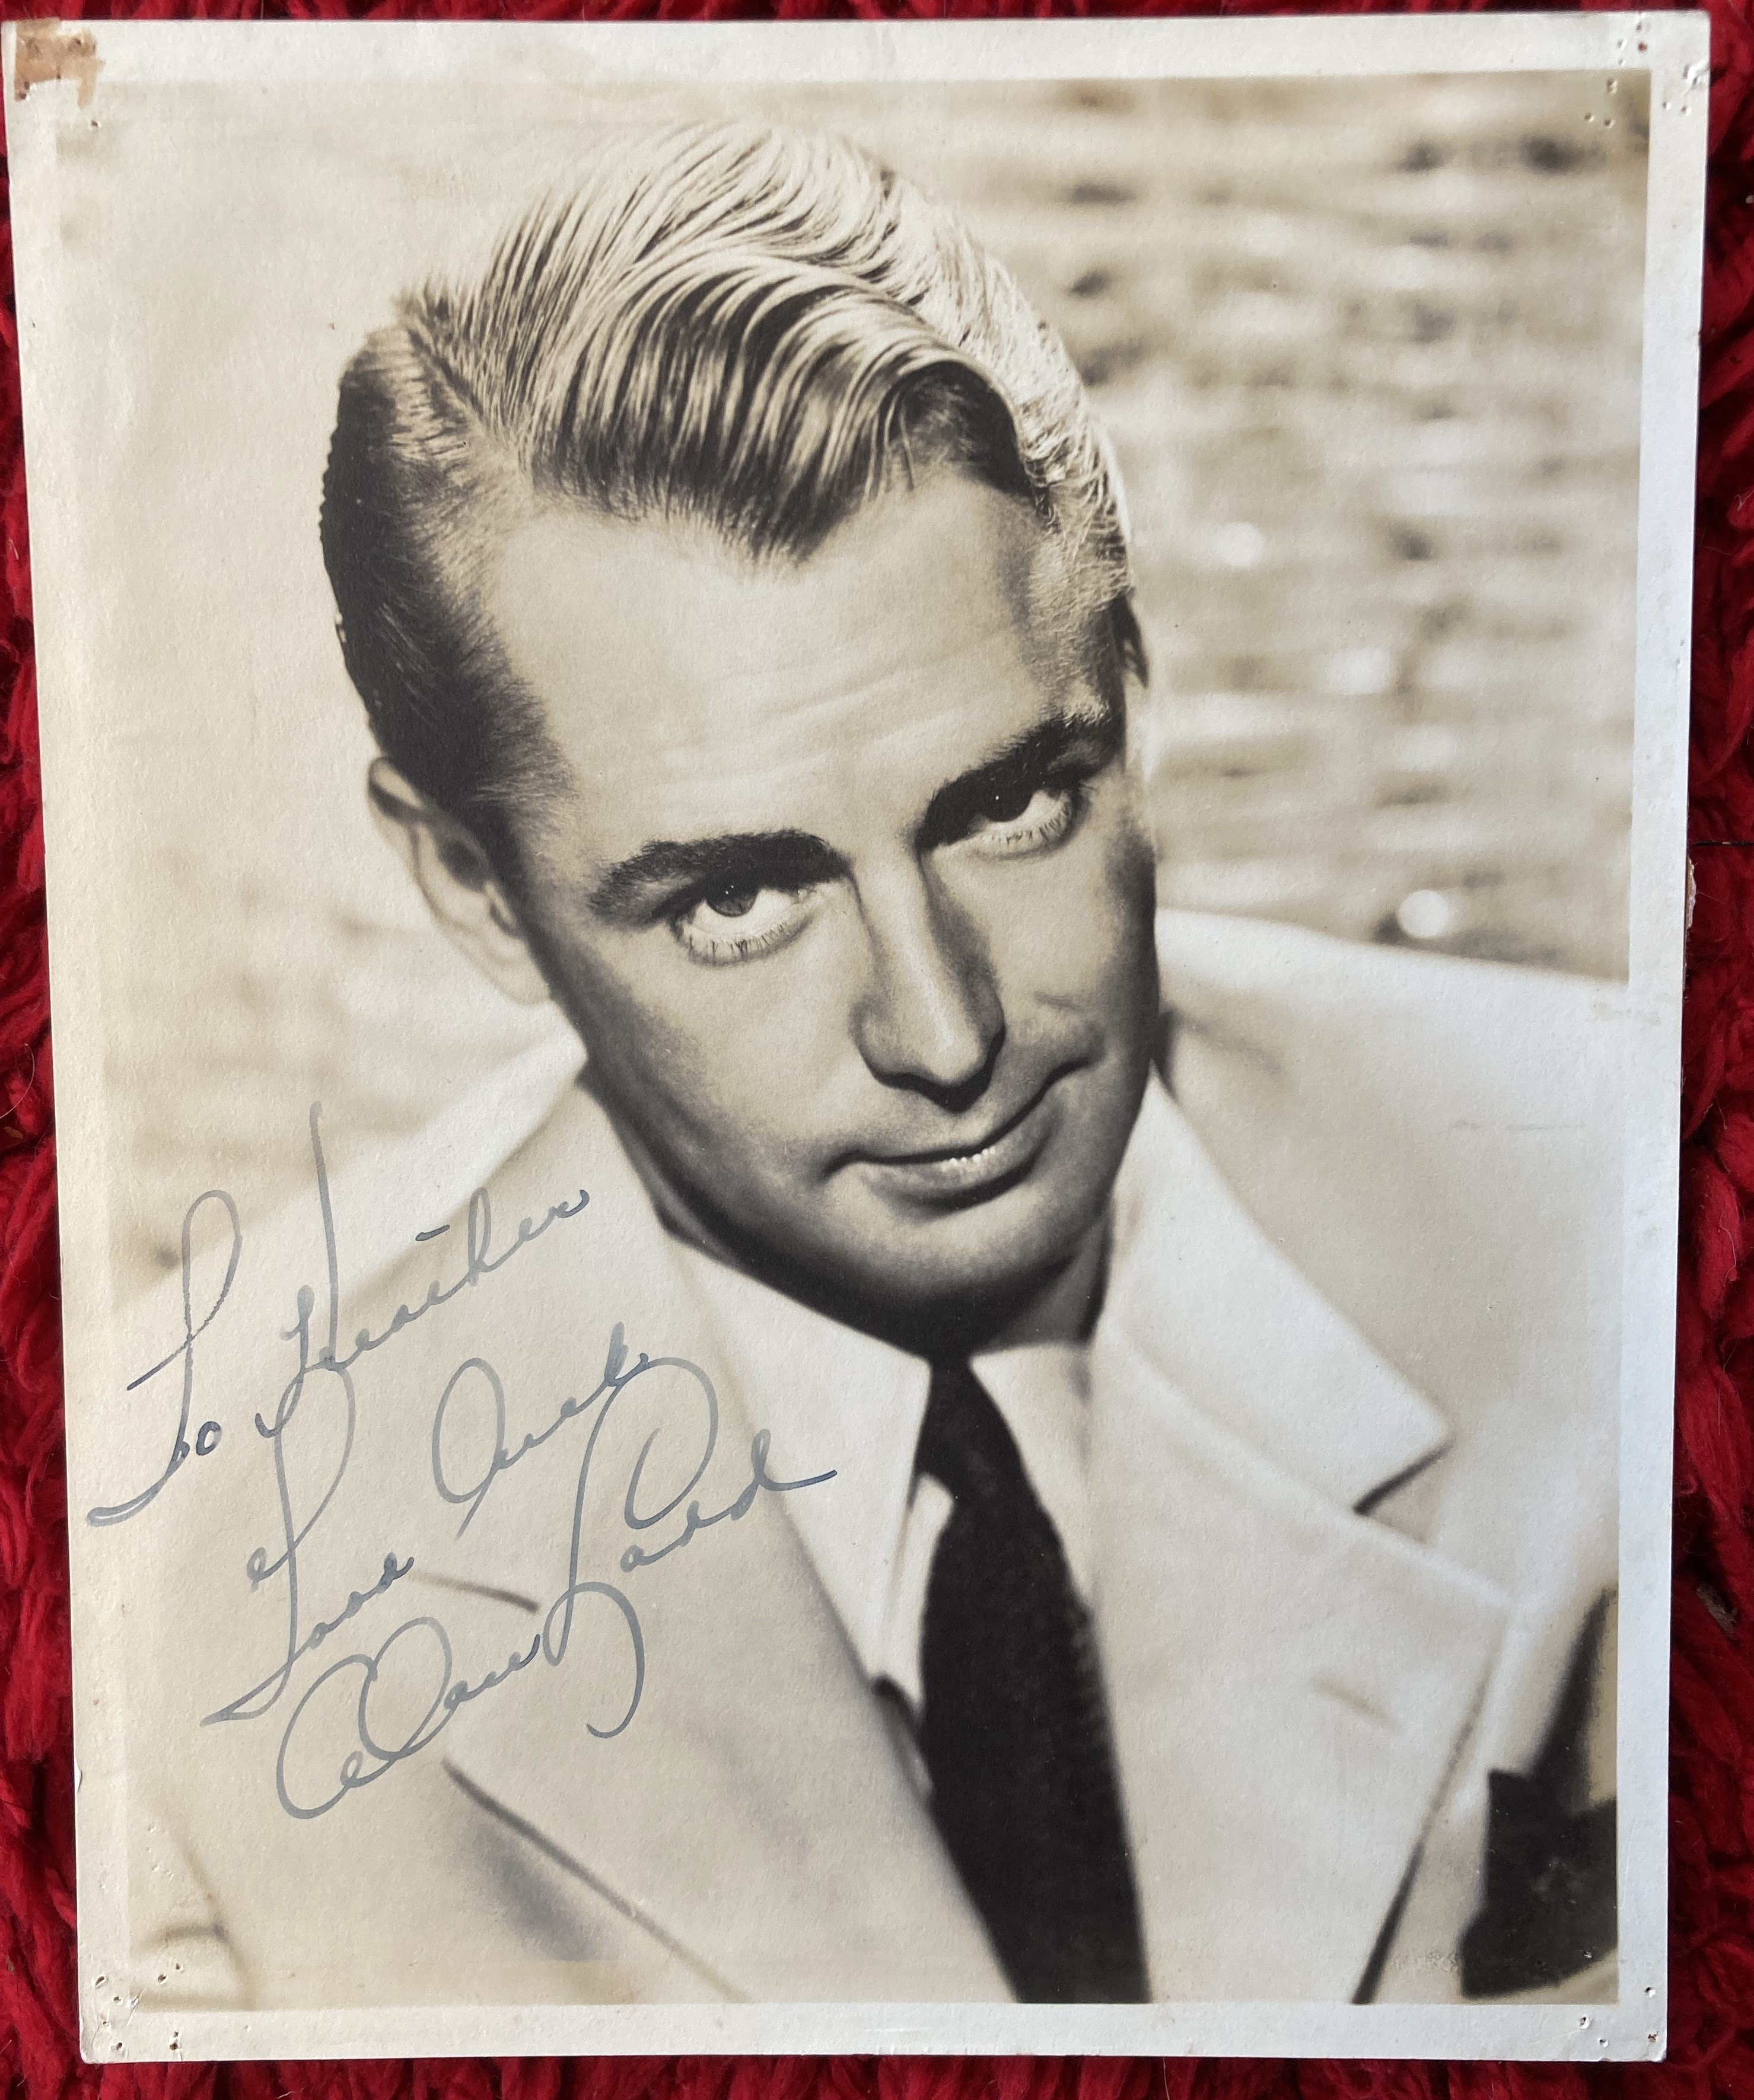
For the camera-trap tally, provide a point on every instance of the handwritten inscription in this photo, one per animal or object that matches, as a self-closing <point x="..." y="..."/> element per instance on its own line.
<point x="367" y="1712"/>
<point x="183" y="1356"/>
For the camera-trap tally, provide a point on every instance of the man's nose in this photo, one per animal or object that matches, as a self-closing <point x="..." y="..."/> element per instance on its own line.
<point x="930" y="1017"/>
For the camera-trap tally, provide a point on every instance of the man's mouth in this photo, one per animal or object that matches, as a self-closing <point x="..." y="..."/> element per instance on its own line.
<point x="981" y="1166"/>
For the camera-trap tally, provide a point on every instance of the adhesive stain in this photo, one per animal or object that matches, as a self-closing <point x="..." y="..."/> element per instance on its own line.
<point x="45" y="51"/>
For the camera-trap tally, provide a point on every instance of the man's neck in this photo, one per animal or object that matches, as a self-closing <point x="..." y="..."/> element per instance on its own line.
<point x="1065" y="1309"/>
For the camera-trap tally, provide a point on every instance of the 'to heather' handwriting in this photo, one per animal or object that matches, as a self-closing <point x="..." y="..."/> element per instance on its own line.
<point x="480" y="1263"/>
<point x="183" y="1354"/>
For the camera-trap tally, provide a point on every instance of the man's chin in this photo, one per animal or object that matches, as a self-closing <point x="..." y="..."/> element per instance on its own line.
<point x="958" y="1279"/>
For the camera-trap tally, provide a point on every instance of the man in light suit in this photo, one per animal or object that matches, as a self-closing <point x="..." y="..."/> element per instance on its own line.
<point x="951" y="1518"/>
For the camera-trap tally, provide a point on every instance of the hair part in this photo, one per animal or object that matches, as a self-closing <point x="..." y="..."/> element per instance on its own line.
<point x="748" y="332"/>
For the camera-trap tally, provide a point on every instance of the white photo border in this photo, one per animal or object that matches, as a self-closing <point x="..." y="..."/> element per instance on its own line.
<point x="260" y="56"/>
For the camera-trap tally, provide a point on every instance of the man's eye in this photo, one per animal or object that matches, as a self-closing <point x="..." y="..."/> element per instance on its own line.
<point x="1004" y="805"/>
<point x="1024" y="818"/>
<point x="733" y="921"/>
<point x="732" y="900"/>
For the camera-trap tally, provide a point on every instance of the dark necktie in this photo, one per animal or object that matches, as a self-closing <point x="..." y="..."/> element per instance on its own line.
<point x="1015" y="1728"/>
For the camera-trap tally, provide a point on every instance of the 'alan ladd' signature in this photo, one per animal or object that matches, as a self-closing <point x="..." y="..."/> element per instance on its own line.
<point x="470" y="1452"/>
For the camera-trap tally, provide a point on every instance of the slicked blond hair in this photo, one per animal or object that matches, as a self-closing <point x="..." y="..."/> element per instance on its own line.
<point x="748" y="332"/>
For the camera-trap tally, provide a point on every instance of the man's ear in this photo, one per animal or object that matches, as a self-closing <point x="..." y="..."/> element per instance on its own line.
<point x="460" y="889"/>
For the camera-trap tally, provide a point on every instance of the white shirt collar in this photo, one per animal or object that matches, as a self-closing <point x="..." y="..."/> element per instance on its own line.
<point x="829" y="1395"/>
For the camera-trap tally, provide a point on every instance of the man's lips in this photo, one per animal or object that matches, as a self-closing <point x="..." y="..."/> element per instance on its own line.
<point x="1002" y="1152"/>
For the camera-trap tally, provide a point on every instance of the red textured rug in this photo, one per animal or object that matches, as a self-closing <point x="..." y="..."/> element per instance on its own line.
<point x="1711" y="2020"/>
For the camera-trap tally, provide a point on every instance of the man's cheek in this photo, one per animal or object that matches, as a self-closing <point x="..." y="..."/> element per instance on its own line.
<point x="1072" y="935"/>
<point x="650" y="1042"/>
<point x="733" y="1050"/>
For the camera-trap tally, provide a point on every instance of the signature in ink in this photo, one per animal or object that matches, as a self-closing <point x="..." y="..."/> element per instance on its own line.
<point x="370" y="1759"/>
<point x="184" y="1354"/>
<point x="324" y="1363"/>
<point x="423" y="1645"/>
<point x="480" y="1263"/>
<point x="470" y="1451"/>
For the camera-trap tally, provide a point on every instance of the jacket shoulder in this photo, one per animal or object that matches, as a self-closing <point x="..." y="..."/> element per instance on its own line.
<point x="1435" y="1141"/>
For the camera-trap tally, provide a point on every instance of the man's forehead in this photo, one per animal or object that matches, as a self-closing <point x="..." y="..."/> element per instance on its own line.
<point x="685" y="685"/>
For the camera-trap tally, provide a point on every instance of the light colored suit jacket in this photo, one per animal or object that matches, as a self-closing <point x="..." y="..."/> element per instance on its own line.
<point x="1384" y="1219"/>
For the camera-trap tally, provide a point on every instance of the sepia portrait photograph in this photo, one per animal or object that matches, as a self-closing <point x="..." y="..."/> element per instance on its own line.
<point x="865" y="853"/>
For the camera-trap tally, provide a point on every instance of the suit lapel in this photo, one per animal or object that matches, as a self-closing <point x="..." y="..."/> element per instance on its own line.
<point x="1289" y="1680"/>
<point x="753" y="1814"/>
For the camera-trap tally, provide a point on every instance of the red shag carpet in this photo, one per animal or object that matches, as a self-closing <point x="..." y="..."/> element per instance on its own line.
<point x="1711" y="1933"/>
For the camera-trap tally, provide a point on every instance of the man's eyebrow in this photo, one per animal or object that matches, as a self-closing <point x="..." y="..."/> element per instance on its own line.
<point x="786" y="859"/>
<point x="782" y="858"/>
<point x="1097" y="734"/>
